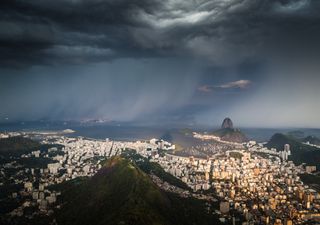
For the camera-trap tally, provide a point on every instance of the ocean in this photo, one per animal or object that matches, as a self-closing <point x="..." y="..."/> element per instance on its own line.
<point x="125" y="132"/>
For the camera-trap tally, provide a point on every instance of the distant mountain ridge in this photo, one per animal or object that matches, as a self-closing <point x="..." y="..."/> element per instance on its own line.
<point x="311" y="140"/>
<point x="300" y="135"/>
<point x="301" y="153"/>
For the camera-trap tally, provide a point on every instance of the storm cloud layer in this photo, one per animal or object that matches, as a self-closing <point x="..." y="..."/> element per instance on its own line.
<point x="223" y="31"/>
<point x="191" y="60"/>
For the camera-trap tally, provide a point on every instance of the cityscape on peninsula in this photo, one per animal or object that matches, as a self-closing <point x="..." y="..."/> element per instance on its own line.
<point x="247" y="182"/>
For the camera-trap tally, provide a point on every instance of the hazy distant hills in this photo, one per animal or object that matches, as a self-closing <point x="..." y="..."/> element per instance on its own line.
<point x="300" y="135"/>
<point x="121" y="193"/>
<point x="228" y="133"/>
<point x="301" y="153"/>
<point x="312" y="140"/>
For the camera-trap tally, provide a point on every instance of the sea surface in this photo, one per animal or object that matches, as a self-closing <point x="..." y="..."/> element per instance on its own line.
<point x="125" y="132"/>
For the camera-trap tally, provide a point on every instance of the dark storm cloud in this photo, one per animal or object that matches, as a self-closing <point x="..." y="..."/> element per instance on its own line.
<point x="223" y="31"/>
<point x="66" y="31"/>
<point x="147" y="60"/>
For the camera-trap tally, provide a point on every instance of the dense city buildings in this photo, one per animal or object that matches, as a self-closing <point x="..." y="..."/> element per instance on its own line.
<point x="253" y="184"/>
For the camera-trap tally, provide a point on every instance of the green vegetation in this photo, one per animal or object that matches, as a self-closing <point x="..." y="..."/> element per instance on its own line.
<point x="312" y="140"/>
<point x="223" y="131"/>
<point x="6" y="189"/>
<point x="310" y="179"/>
<point x="262" y="154"/>
<point x="236" y="155"/>
<point x="67" y="185"/>
<point x="300" y="135"/>
<point x="35" y="162"/>
<point x="15" y="146"/>
<point x="230" y="134"/>
<point x="301" y="153"/>
<point x="121" y="193"/>
<point x="7" y="205"/>
<point x="151" y="167"/>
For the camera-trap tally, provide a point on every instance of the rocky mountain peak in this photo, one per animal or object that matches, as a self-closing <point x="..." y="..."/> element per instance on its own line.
<point x="227" y="123"/>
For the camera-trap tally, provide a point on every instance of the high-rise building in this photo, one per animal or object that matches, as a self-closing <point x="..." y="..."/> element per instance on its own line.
<point x="287" y="149"/>
<point x="284" y="155"/>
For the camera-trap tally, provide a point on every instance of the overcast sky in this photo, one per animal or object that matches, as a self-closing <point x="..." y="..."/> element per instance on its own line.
<point x="161" y="61"/>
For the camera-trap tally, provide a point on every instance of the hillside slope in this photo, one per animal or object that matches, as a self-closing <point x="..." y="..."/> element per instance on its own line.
<point x="312" y="140"/>
<point x="301" y="153"/>
<point x="231" y="135"/>
<point x="120" y="193"/>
